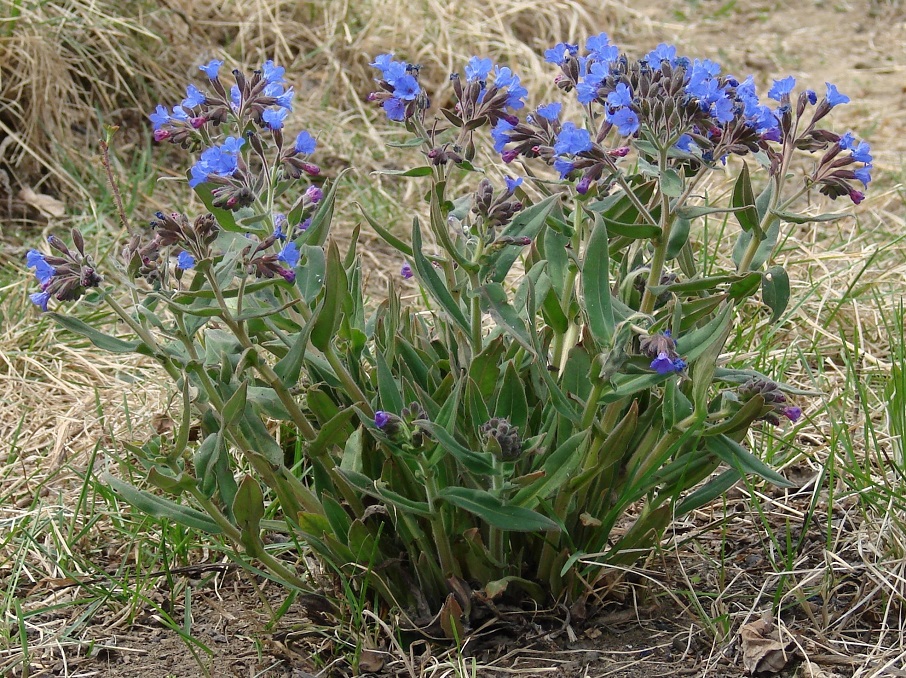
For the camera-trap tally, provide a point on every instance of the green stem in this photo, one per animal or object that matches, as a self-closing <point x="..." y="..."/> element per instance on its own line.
<point x="660" y="248"/>
<point x="447" y="562"/>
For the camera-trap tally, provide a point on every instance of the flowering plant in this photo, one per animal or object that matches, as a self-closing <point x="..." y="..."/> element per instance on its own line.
<point x="563" y="399"/>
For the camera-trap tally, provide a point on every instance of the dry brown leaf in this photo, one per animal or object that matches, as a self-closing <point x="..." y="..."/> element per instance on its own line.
<point x="812" y="670"/>
<point x="762" y="650"/>
<point x="45" y="204"/>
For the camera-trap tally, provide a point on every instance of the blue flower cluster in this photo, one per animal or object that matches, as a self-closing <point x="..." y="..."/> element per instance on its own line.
<point x="221" y="161"/>
<point x="399" y="81"/>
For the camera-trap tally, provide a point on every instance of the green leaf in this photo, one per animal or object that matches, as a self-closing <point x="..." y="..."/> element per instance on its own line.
<point x="744" y="201"/>
<point x="679" y="236"/>
<point x="386" y="235"/>
<point x="105" y="342"/>
<point x="695" y="211"/>
<point x="739" y="458"/>
<point x="335" y="431"/>
<point x="235" y="406"/>
<point x="428" y="277"/>
<point x="769" y="237"/>
<point x="289" y="367"/>
<point x="248" y="510"/>
<point x="775" y="291"/>
<point x="476" y="462"/>
<point x="163" y="478"/>
<point x="809" y="218"/>
<point x="511" y="401"/>
<point x="316" y="233"/>
<point x="331" y="309"/>
<point x="558" y="468"/>
<point x="159" y="507"/>
<point x="225" y="219"/>
<point x="423" y="171"/>
<point x="671" y="183"/>
<point x="740" y="289"/>
<point x="378" y="491"/>
<point x="527" y="223"/>
<point x="494" y="301"/>
<point x="596" y="285"/>
<point x="708" y="492"/>
<point x="391" y="398"/>
<point x="494" y="512"/>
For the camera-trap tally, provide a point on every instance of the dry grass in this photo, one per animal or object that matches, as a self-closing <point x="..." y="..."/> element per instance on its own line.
<point x="69" y="65"/>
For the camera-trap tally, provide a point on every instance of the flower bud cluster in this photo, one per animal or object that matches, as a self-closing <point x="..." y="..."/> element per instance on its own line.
<point x="404" y="429"/>
<point x="661" y="348"/>
<point x="774" y="398"/>
<point x="65" y="276"/>
<point x="501" y="438"/>
<point x="495" y="211"/>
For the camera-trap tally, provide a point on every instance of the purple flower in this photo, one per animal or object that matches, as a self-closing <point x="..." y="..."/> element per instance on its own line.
<point x="270" y="72"/>
<point x="43" y="271"/>
<point x="305" y="143"/>
<point x="792" y="413"/>
<point x="512" y="184"/>
<point x="856" y="196"/>
<point x="381" y="418"/>
<point x="395" y="109"/>
<point x="274" y="118"/>
<point x="559" y="52"/>
<point x="305" y="224"/>
<point x="572" y="140"/>
<point x="550" y="111"/>
<point x="478" y="69"/>
<point x="212" y="68"/>
<point x="834" y="97"/>
<point x="406" y="88"/>
<point x="185" y="261"/>
<point x="314" y="194"/>
<point x="782" y="88"/>
<point x="679" y="364"/>
<point x="289" y="255"/>
<point x="160" y="117"/>
<point x="626" y="120"/>
<point x="40" y="299"/>
<point x="500" y="134"/>
<point x="406" y="270"/>
<point x="663" y="364"/>
<point x="194" y="97"/>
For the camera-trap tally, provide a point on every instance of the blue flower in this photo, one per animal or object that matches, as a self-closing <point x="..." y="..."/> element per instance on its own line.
<point x="212" y="68"/>
<point x="505" y="78"/>
<point x="663" y="364"/>
<point x="564" y="167"/>
<point x="160" y="117"/>
<point x="550" y="111"/>
<point x="232" y="144"/>
<point x="279" y="223"/>
<point x="285" y="100"/>
<point x="661" y="53"/>
<point x="406" y="270"/>
<point x="600" y="49"/>
<point x="381" y="419"/>
<point x="834" y="97"/>
<point x="43" y="271"/>
<point x="270" y="72"/>
<point x="500" y="134"/>
<point x="274" y="118"/>
<point x="40" y="299"/>
<point x="572" y="139"/>
<point x="723" y="110"/>
<point x="394" y="71"/>
<point x="686" y="143"/>
<point x="782" y="88"/>
<point x="395" y="109"/>
<point x="180" y="114"/>
<point x="847" y="141"/>
<point x="626" y="121"/>
<point x="862" y="152"/>
<point x="194" y="97"/>
<point x="185" y="261"/>
<point x="289" y="254"/>
<point x="621" y="96"/>
<point x="305" y="143"/>
<point x="382" y="61"/>
<point x="559" y="52"/>
<point x="235" y="96"/>
<point x="679" y="364"/>
<point x="478" y="69"/>
<point x="587" y="91"/>
<point x="512" y="184"/>
<point x="406" y="88"/>
<point x="863" y="174"/>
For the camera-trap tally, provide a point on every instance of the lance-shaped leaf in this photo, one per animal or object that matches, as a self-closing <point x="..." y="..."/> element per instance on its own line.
<point x="775" y="291"/>
<point x="744" y="201"/>
<point x="335" y="291"/>
<point x="596" y="285"/>
<point x="739" y="458"/>
<point x="159" y="507"/>
<point x="105" y="342"/>
<point x="494" y="512"/>
<point x="476" y="462"/>
<point x="316" y="233"/>
<point x="528" y="223"/>
<point x="428" y="277"/>
<point x="248" y="510"/>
